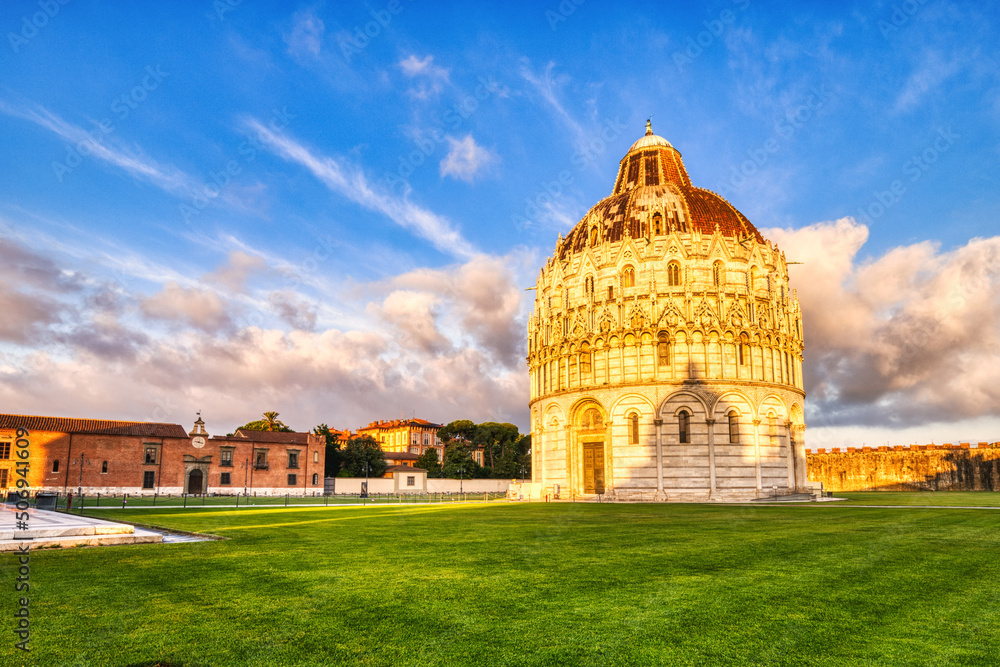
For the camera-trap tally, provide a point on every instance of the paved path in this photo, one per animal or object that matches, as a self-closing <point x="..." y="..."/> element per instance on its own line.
<point x="45" y="529"/>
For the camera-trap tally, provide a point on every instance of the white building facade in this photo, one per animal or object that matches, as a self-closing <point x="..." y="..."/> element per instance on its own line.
<point x="665" y="348"/>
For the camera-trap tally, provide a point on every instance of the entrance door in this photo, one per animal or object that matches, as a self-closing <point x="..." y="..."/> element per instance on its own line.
<point x="195" y="482"/>
<point x="593" y="468"/>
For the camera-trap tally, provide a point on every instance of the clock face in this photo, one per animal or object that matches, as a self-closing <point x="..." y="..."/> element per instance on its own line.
<point x="198" y="442"/>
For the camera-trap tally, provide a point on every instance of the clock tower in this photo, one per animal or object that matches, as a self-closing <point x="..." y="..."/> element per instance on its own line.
<point x="199" y="436"/>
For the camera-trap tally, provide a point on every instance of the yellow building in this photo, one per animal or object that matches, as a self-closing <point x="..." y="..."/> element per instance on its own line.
<point x="665" y="347"/>
<point x="415" y="436"/>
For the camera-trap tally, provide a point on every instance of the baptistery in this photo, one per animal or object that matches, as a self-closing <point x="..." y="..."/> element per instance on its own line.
<point x="665" y="348"/>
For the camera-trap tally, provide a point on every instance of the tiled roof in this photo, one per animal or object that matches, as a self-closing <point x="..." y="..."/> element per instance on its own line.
<point x="404" y="469"/>
<point x="280" y="437"/>
<point x="92" y="426"/>
<point x="397" y="423"/>
<point x="401" y="456"/>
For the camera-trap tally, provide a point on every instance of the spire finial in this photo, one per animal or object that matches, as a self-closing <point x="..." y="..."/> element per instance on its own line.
<point x="649" y="126"/>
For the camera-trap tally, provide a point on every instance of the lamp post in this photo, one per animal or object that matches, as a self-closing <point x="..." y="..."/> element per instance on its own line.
<point x="523" y="470"/>
<point x="461" y="471"/>
<point x="246" y="471"/>
<point x="365" y="494"/>
<point x="83" y="459"/>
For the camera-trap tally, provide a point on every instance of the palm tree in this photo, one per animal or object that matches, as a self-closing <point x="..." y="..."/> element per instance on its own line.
<point x="271" y="422"/>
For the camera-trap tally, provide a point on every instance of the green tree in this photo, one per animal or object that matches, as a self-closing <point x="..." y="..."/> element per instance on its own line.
<point x="270" y="422"/>
<point x="458" y="457"/>
<point x="359" y="450"/>
<point x="334" y="455"/>
<point x="429" y="462"/>
<point x="498" y="443"/>
<point x="460" y="429"/>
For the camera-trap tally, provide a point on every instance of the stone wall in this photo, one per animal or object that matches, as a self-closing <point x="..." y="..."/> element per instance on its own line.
<point x="945" y="467"/>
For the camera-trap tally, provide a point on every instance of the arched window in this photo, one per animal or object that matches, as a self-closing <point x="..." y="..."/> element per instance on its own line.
<point x="657" y="224"/>
<point x="55" y="466"/>
<point x="315" y="478"/>
<point x="104" y="467"/>
<point x="633" y="429"/>
<point x="752" y="279"/>
<point x="684" y="426"/>
<point x="674" y="274"/>
<point x="588" y="286"/>
<point x="772" y="424"/>
<point x="717" y="274"/>
<point x="585" y="359"/>
<point x="611" y="292"/>
<point x="662" y="351"/>
<point x="734" y="426"/>
<point x="744" y="349"/>
<point x="593" y="236"/>
<point x="628" y="277"/>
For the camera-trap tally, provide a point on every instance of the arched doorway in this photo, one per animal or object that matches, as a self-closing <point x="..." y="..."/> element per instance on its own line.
<point x="590" y="432"/>
<point x="195" y="482"/>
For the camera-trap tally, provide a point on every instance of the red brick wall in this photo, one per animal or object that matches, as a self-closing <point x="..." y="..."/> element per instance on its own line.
<point x="126" y="463"/>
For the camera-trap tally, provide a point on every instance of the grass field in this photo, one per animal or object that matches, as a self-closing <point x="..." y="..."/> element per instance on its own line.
<point x="526" y="584"/>
<point x="937" y="498"/>
<point x="97" y="501"/>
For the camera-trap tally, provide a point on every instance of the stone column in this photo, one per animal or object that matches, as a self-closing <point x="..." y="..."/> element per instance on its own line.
<point x="609" y="475"/>
<point x="801" y="471"/>
<point x="756" y="453"/>
<point x="658" y="423"/>
<point x="711" y="456"/>
<point x="571" y="475"/>
<point x="789" y="437"/>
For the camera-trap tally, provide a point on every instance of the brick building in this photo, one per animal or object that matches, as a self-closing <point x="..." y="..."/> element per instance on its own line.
<point x="106" y="456"/>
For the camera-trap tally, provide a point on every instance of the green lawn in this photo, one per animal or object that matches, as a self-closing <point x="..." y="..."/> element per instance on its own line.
<point x="527" y="584"/>
<point x="936" y="498"/>
<point x="96" y="501"/>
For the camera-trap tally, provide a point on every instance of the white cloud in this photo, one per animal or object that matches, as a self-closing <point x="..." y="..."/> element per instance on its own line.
<point x="197" y="307"/>
<point x="547" y="86"/>
<point x="306" y="36"/>
<point x="909" y="337"/>
<point x="430" y="78"/>
<point x="352" y="183"/>
<point x="165" y="177"/>
<point x="932" y="70"/>
<point x="444" y="344"/>
<point x="466" y="158"/>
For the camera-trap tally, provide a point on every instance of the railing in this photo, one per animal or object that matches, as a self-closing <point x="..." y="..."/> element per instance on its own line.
<point x="83" y="502"/>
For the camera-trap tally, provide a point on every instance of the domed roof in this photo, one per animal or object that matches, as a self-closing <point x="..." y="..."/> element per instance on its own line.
<point x="653" y="190"/>
<point x="649" y="140"/>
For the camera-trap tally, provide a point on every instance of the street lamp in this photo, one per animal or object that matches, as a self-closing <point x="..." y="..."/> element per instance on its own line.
<point x="523" y="470"/>
<point x="365" y="494"/>
<point x="461" y="471"/>
<point x="246" y="471"/>
<point x="83" y="459"/>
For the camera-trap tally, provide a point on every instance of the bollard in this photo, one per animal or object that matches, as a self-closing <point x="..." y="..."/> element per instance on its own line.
<point x="185" y="499"/>
<point x="237" y="500"/>
<point x="286" y="500"/>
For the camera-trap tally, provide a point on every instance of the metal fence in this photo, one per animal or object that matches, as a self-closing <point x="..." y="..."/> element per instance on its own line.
<point x="82" y="502"/>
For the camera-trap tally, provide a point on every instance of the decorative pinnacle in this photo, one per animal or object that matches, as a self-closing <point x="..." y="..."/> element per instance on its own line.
<point x="649" y="126"/>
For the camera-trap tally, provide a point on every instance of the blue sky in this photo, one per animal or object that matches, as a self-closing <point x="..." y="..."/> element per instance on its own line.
<point x="331" y="209"/>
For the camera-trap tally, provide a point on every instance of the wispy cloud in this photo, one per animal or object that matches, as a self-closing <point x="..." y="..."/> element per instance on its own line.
<point x="547" y="86"/>
<point x="932" y="70"/>
<point x="306" y="36"/>
<point x="138" y="166"/>
<point x="466" y="158"/>
<point x="351" y="182"/>
<point x="431" y="78"/>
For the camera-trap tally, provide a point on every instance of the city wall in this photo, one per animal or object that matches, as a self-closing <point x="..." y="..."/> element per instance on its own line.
<point x="945" y="467"/>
